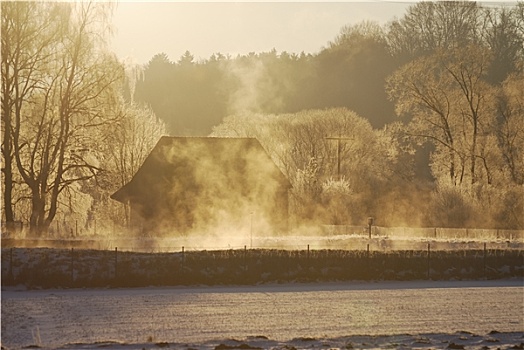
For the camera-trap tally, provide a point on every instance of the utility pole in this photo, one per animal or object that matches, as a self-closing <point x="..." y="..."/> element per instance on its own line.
<point x="339" y="138"/>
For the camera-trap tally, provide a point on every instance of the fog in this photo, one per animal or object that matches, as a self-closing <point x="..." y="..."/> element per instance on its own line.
<point x="203" y="187"/>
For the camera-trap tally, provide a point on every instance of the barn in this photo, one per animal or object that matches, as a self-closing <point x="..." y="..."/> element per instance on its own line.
<point x="202" y="184"/>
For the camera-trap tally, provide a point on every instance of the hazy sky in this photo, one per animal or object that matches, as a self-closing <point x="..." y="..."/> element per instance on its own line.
<point x="145" y="29"/>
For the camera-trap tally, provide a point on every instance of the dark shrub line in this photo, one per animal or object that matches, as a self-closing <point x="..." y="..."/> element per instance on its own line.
<point x="50" y="268"/>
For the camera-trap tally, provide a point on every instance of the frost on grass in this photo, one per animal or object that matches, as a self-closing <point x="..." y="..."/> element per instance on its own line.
<point x="294" y="315"/>
<point x="458" y="340"/>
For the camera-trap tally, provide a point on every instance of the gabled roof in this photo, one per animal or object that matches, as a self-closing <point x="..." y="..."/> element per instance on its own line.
<point x="191" y="157"/>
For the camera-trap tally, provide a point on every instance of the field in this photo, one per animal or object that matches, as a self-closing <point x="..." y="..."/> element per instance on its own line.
<point x="360" y="315"/>
<point x="336" y="292"/>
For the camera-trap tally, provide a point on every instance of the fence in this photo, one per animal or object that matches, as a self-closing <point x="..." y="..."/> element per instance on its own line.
<point x="72" y="267"/>
<point x="427" y="232"/>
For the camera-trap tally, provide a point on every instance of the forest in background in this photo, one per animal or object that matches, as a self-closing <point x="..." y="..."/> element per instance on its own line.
<point x="419" y="122"/>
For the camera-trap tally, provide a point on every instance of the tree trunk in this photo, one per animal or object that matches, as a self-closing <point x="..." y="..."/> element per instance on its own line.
<point x="452" y="167"/>
<point x="473" y="155"/>
<point x="7" y="148"/>
<point x="8" y="178"/>
<point x="36" y="221"/>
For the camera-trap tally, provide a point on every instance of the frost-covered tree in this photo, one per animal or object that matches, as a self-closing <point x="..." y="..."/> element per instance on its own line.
<point x="322" y="152"/>
<point x="126" y="147"/>
<point x="475" y="129"/>
<point x="510" y="128"/>
<point x="29" y="33"/>
<point x="58" y="91"/>
<point x="451" y="106"/>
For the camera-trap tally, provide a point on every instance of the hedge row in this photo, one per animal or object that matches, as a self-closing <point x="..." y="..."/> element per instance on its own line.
<point x="52" y="268"/>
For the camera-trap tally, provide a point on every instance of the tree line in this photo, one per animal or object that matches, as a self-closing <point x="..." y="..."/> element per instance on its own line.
<point x="440" y="91"/>
<point x="192" y="95"/>
<point x="418" y="122"/>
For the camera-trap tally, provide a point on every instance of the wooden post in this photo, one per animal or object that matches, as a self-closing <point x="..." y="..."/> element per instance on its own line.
<point x="116" y="262"/>
<point x="72" y="265"/>
<point x="251" y="231"/>
<point x="245" y="258"/>
<point x="183" y="262"/>
<point x="11" y="265"/>
<point x="484" y="260"/>
<point x="308" y="251"/>
<point x="429" y="254"/>
<point x="370" y="223"/>
<point x="339" y="138"/>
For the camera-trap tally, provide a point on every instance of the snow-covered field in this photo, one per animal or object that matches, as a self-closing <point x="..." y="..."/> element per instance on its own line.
<point x="425" y="314"/>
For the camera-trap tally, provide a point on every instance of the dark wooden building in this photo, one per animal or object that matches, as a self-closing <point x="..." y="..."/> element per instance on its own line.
<point x="191" y="184"/>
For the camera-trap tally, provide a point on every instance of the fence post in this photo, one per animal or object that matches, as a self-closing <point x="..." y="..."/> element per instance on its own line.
<point x="116" y="262"/>
<point x="484" y="260"/>
<point x="245" y="258"/>
<point x="183" y="258"/>
<point x="308" y="252"/>
<point x="72" y="265"/>
<point x="429" y="254"/>
<point x="11" y="277"/>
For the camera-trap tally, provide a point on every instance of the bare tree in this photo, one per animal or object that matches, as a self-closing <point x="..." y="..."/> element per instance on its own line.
<point x="430" y="25"/>
<point x="30" y="31"/>
<point x="69" y="93"/>
<point x="503" y="33"/>
<point x="450" y="104"/>
<point x="510" y="130"/>
<point x="467" y="70"/>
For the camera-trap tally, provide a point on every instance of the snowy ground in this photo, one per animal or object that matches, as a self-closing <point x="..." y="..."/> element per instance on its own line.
<point x="425" y="314"/>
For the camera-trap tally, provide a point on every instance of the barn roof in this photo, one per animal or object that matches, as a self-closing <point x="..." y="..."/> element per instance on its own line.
<point x="187" y="155"/>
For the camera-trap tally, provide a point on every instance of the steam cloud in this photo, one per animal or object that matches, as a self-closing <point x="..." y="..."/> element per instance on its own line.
<point x="217" y="187"/>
